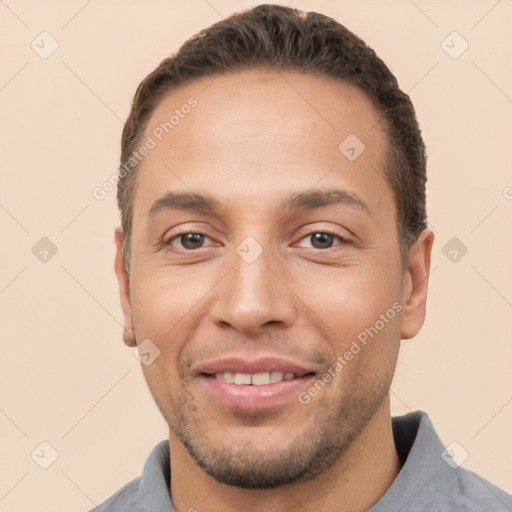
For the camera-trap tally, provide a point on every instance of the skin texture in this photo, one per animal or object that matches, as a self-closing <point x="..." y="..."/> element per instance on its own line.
<point x="255" y="138"/>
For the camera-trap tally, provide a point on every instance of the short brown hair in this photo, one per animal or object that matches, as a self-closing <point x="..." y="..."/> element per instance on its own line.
<point x="279" y="38"/>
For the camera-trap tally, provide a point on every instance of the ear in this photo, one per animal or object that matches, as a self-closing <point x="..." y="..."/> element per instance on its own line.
<point x="124" y="290"/>
<point x="415" y="285"/>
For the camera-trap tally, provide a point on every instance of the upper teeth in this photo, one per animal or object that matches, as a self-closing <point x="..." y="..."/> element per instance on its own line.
<point x="256" y="379"/>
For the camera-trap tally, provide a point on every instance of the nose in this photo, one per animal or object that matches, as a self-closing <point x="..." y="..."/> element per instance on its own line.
<point x="253" y="296"/>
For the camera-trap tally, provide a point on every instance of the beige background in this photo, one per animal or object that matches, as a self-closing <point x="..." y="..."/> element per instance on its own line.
<point x="67" y="379"/>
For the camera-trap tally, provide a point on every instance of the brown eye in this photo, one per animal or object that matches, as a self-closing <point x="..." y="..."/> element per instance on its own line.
<point x="321" y="240"/>
<point x="188" y="241"/>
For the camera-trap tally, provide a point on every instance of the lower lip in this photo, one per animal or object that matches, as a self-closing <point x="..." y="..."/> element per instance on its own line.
<point x="251" y="397"/>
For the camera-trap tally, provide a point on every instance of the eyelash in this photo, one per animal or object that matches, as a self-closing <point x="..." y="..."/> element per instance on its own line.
<point x="342" y="240"/>
<point x="184" y="233"/>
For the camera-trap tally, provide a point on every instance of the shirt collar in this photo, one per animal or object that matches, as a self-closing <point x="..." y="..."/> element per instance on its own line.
<point x="415" y="438"/>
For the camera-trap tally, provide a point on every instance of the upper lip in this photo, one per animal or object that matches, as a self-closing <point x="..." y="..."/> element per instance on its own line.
<point x="252" y="366"/>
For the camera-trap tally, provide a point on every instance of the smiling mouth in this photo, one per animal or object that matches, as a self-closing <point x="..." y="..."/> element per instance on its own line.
<point x="254" y="379"/>
<point x="253" y="390"/>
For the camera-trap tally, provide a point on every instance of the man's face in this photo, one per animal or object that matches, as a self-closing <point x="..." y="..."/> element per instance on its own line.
<point x="293" y="254"/>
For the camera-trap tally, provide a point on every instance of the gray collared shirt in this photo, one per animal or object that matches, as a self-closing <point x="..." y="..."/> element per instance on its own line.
<point x="430" y="479"/>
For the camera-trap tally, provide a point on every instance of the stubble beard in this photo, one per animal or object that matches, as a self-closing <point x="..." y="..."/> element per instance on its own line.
<point x="319" y="444"/>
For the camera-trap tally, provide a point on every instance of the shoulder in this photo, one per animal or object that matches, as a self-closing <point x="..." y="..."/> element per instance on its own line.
<point x="477" y="493"/>
<point x="459" y="489"/>
<point x="432" y="477"/>
<point x="124" y="499"/>
<point x="147" y="493"/>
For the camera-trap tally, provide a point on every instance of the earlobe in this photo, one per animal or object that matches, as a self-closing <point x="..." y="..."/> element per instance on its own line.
<point x="123" y="280"/>
<point x="415" y="285"/>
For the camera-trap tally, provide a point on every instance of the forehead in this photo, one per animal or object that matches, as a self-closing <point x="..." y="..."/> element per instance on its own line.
<point x="261" y="132"/>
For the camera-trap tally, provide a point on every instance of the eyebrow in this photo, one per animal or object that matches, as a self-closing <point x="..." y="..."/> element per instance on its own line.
<point x="185" y="201"/>
<point x="307" y="200"/>
<point x="325" y="197"/>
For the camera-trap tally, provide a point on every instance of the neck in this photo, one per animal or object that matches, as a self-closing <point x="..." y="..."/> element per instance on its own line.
<point x="357" y="480"/>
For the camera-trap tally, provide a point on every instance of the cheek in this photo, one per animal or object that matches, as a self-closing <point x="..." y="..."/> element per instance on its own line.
<point x="159" y="313"/>
<point x="168" y="306"/>
<point x="349" y="300"/>
<point x="162" y="299"/>
<point x="360" y="322"/>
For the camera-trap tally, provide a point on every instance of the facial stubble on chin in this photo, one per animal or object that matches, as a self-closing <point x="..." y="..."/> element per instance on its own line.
<point x="319" y="444"/>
